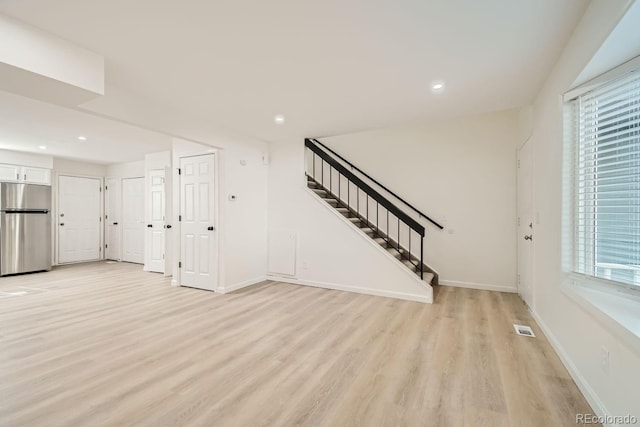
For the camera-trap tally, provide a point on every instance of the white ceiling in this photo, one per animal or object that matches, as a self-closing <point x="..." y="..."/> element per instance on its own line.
<point x="331" y="67"/>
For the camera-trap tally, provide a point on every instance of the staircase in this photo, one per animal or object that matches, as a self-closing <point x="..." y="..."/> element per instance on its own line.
<point x="368" y="210"/>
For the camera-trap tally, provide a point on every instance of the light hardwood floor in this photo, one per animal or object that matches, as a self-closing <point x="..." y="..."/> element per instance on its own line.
<point x="109" y="345"/>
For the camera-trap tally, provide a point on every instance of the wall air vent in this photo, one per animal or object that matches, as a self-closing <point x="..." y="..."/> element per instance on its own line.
<point x="524" y="330"/>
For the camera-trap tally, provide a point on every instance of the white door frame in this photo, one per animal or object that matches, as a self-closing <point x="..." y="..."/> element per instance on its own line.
<point x="177" y="233"/>
<point x="56" y="212"/>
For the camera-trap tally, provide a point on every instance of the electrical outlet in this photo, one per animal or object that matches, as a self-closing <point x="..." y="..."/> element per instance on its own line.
<point x="604" y="360"/>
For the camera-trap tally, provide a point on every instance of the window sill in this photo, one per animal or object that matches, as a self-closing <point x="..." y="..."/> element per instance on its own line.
<point x="619" y="312"/>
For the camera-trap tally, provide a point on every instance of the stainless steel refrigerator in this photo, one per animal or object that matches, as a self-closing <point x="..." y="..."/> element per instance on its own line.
<point x="25" y="228"/>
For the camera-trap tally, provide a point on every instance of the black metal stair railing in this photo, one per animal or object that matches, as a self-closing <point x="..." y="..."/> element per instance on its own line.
<point x="372" y="179"/>
<point x="385" y="219"/>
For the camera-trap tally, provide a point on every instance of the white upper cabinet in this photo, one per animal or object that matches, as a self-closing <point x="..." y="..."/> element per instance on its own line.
<point x="10" y="173"/>
<point x="36" y="175"/>
<point x="25" y="174"/>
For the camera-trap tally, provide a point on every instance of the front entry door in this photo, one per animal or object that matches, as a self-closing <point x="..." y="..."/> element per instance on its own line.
<point x="197" y="230"/>
<point x="79" y="219"/>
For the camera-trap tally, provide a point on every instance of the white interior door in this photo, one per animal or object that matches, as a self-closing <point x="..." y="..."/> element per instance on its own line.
<point x="79" y="219"/>
<point x="156" y="221"/>
<point x="197" y="230"/>
<point x="113" y="243"/>
<point x="525" y="223"/>
<point x="168" y="214"/>
<point x="133" y="220"/>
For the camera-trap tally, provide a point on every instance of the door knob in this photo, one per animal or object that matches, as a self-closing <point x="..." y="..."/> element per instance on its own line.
<point x="167" y="226"/>
<point x="62" y="224"/>
<point x="115" y="223"/>
<point x="529" y="237"/>
<point x="149" y="225"/>
<point x="210" y="228"/>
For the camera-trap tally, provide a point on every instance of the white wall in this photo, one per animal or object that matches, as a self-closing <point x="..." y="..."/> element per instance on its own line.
<point x="460" y="172"/>
<point x="330" y="253"/>
<point x="242" y="224"/>
<point x="577" y="333"/>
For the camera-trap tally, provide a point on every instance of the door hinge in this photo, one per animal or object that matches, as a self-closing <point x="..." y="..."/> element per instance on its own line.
<point x="100" y="189"/>
<point x="180" y="264"/>
<point x="162" y="256"/>
<point x="518" y="163"/>
<point x="100" y="219"/>
<point x="106" y="246"/>
<point x="518" y="221"/>
<point x="106" y="217"/>
<point x="100" y="248"/>
<point x="106" y="188"/>
<point x="179" y="171"/>
<point x="180" y="218"/>
<point x="518" y="279"/>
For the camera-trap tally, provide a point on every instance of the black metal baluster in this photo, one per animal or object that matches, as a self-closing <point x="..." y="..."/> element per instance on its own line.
<point x="410" y="246"/>
<point x="421" y="261"/>
<point x="322" y="172"/>
<point x="339" y="179"/>
<point x="314" y="166"/>
<point x="387" y="230"/>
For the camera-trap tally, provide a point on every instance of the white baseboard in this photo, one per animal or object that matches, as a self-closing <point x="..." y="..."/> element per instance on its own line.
<point x="240" y="285"/>
<point x="586" y="389"/>
<point x="174" y="282"/>
<point x="426" y="298"/>
<point x="481" y="286"/>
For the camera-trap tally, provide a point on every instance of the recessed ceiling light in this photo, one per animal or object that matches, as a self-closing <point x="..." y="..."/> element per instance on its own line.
<point x="437" y="86"/>
<point x="42" y="147"/>
<point x="82" y="138"/>
<point x="279" y="119"/>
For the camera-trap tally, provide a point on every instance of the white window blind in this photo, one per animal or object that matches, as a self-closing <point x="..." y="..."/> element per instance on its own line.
<point x="607" y="181"/>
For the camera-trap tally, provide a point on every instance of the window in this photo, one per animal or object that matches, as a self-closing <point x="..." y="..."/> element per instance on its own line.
<point x="606" y="181"/>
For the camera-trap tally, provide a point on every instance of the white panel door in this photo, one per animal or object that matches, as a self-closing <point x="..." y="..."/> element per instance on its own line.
<point x="133" y="220"/>
<point x="112" y="220"/>
<point x="197" y="208"/>
<point x="156" y="233"/>
<point x="168" y="214"/>
<point x="525" y="223"/>
<point x="79" y="219"/>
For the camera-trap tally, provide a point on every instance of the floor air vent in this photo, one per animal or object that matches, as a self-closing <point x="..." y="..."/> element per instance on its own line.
<point x="524" y="330"/>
